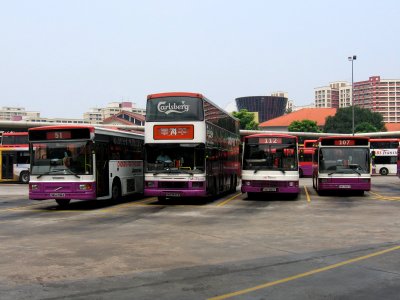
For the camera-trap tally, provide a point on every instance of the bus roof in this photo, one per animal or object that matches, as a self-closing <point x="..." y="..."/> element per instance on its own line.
<point x="15" y="133"/>
<point x="270" y="135"/>
<point x="343" y="137"/>
<point x="90" y="127"/>
<point x="385" y="140"/>
<point x="175" y="94"/>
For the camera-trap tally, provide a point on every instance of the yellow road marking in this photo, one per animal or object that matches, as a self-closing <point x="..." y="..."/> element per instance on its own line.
<point x="229" y="199"/>
<point x="309" y="273"/>
<point x="381" y="197"/>
<point x="307" y="195"/>
<point x="20" y="207"/>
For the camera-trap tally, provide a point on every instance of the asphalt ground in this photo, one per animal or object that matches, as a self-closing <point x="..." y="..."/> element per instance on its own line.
<point x="336" y="246"/>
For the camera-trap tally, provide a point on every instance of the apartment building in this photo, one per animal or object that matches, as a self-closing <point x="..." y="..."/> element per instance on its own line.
<point x="97" y="115"/>
<point x="379" y="95"/>
<point x="9" y="113"/>
<point x="330" y="96"/>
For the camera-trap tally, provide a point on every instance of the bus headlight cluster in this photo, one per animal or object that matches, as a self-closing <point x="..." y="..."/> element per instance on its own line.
<point x="33" y="187"/>
<point x="150" y="184"/>
<point x="197" y="184"/>
<point x="86" y="186"/>
<point x="247" y="182"/>
<point x="293" y="183"/>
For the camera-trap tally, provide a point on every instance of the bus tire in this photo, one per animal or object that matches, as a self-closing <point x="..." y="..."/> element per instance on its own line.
<point x="162" y="200"/>
<point x="116" y="190"/>
<point x="63" y="202"/>
<point x="24" y="177"/>
<point x="384" y="171"/>
<point x="251" y="195"/>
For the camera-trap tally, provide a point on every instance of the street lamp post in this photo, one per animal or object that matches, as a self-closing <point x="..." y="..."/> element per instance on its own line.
<point x="352" y="59"/>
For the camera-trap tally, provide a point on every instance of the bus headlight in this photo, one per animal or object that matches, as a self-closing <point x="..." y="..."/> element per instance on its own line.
<point x="33" y="187"/>
<point x="197" y="184"/>
<point x="86" y="186"/>
<point x="150" y="184"/>
<point x="246" y="182"/>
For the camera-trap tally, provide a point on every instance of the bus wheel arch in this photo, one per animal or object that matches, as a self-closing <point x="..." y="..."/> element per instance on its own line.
<point x="24" y="177"/>
<point x="116" y="192"/>
<point x="384" y="171"/>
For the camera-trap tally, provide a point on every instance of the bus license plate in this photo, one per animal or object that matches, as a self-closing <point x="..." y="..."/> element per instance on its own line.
<point x="57" y="195"/>
<point x="344" y="186"/>
<point x="173" y="194"/>
<point x="269" y="189"/>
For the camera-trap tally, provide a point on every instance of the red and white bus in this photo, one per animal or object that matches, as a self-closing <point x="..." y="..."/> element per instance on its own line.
<point x="305" y="158"/>
<point x="342" y="163"/>
<point x="270" y="164"/>
<point x="14" y="157"/>
<point x="84" y="163"/>
<point x="191" y="147"/>
<point x="384" y="156"/>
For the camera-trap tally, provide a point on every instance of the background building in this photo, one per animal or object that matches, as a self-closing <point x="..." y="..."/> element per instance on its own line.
<point x="97" y="115"/>
<point x="267" y="107"/>
<point x="329" y="96"/>
<point x="379" y="95"/>
<point x="8" y="113"/>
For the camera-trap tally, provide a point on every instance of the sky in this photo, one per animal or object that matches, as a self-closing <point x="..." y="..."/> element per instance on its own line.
<point x="62" y="58"/>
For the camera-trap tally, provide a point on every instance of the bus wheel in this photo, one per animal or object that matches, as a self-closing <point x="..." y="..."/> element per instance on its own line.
<point x="300" y="173"/>
<point x="384" y="171"/>
<point x="116" y="191"/>
<point x="162" y="200"/>
<point x="24" y="177"/>
<point x="251" y="195"/>
<point x="63" y="202"/>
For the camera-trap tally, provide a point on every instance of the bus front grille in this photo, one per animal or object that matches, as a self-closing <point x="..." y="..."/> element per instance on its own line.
<point x="172" y="184"/>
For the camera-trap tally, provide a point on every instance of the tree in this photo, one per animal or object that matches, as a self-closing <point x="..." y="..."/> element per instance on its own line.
<point x="341" y="122"/>
<point x="304" y="126"/>
<point x="246" y="119"/>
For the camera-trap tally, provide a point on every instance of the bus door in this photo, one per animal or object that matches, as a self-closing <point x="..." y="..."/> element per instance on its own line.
<point x="102" y="169"/>
<point x="8" y="159"/>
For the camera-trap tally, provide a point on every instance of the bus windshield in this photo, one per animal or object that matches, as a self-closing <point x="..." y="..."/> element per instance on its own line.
<point x="344" y="160"/>
<point x="175" y="158"/>
<point x="64" y="158"/>
<point x="270" y="157"/>
<point x="167" y="109"/>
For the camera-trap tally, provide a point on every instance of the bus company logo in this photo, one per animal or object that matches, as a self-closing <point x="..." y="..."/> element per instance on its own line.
<point x="168" y="108"/>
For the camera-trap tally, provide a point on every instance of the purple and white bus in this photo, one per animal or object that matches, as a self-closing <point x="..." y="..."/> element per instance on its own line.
<point x="342" y="163"/>
<point x="191" y="147"/>
<point x="270" y="164"/>
<point x="84" y="163"/>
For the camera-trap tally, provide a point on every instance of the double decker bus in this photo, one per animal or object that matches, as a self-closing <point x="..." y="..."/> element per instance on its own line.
<point x="84" y="162"/>
<point x="14" y="157"/>
<point x="305" y="158"/>
<point x="384" y="156"/>
<point x="191" y="147"/>
<point x="270" y="164"/>
<point x="342" y="163"/>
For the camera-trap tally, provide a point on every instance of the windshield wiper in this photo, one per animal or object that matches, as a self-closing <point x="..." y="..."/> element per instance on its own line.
<point x="73" y="173"/>
<point x="169" y="171"/>
<point x="49" y="172"/>
<point x="257" y="169"/>
<point x="59" y="172"/>
<point x="282" y="170"/>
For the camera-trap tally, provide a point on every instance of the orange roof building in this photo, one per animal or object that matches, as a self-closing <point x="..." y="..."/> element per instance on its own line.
<point x="282" y="123"/>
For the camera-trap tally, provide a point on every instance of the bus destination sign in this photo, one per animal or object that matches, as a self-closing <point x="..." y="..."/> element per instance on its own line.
<point x="270" y="140"/>
<point x="344" y="142"/>
<point x="173" y="132"/>
<point x="58" y="135"/>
